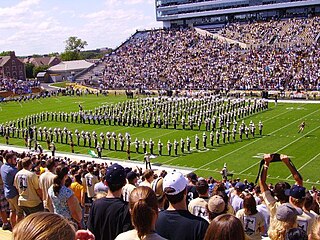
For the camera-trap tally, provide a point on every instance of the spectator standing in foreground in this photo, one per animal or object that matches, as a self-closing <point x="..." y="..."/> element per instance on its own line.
<point x="30" y="194"/>
<point x="109" y="216"/>
<point x="4" y="205"/>
<point x="198" y="206"/>
<point x="45" y="181"/>
<point x="63" y="200"/>
<point x="251" y="219"/>
<point x="144" y="214"/>
<point x="225" y="227"/>
<point x="177" y="222"/>
<point x="279" y="189"/>
<point x="8" y="173"/>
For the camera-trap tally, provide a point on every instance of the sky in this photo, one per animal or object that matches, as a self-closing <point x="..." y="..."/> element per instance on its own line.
<point x="42" y="26"/>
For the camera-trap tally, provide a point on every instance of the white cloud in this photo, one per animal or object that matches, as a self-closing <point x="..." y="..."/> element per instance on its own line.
<point x="30" y="27"/>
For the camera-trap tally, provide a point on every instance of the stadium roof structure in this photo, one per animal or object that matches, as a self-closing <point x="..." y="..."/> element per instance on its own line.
<point x="68" y="66"/>
<point x="205" y="11"/>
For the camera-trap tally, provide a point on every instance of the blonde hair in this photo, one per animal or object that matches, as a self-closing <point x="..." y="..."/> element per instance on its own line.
<point x="144" y="207"/>
<point x="44" y="226"/>
<point x="315" y="233"/>
<point x="277" y="230"/>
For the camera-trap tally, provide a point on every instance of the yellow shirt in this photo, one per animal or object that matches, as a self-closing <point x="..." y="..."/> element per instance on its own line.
<point x="77" y="188"/>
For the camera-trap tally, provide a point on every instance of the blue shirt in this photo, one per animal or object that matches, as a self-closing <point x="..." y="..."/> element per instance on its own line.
<point x="8" y="172"/>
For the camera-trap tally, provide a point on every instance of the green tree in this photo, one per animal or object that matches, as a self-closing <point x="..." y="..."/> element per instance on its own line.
<point x="74" y="45"/>
<point x="5" y="53"/>
<point x="69" y="56"/>
<point x="38" y="69"/>
<point x="29" y="70"/>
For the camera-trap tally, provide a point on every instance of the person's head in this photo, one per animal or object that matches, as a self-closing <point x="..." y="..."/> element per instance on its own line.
<point x="239" y="187"/>
<point x="286" y="218"/>
<point x="279" y="191"/>
<point x="309" y="201"/>
<point x="216" y="206"/>
<point x="77" y="178"/>
<point x="174" y="187"/>
<point x="59" y="180"/>
<point x="132" y="178"/>
<point x="296" y="234"/>
<point x="296" y="195"/>
<point x="115" y="177"/>
<point x="202" y="187"/>
<point x="192" y="177"/>
<point x="51" y="165"/>
<point x="144" y="210"/>
<point x="26" y="163"/>
<point x="249" y="204"/>
<point x="225" y="227"/>
<point x="11" y="158"/>
<point x="39" y="226"/>
<point x="148" y="175"/>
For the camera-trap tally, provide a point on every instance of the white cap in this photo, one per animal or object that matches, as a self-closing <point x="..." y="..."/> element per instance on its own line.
<point x="175" y="180"/>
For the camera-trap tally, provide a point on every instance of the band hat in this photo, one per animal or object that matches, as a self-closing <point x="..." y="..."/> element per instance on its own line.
<point x="296" y="191"/>
<point x="176" y="181"/>
<point x="216" y="204"/>
<point x="287" y="212"/>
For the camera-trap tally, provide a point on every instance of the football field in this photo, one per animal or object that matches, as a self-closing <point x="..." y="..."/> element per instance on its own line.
<point x="280" y="135"/>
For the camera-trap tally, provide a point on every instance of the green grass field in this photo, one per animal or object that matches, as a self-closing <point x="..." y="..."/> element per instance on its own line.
<point x="279" y="135"/>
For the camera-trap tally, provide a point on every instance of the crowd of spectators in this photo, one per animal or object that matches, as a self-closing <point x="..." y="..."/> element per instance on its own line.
<point x="125" y="203"/>
<point x="17" y="86"/>
<point x="293" y="31"/>
<point x="184" y="59"/>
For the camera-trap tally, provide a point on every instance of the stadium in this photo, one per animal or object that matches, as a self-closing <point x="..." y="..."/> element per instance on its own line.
<point x="212" y="94"/>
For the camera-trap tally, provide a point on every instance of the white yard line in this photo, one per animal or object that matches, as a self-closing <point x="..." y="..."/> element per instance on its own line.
<point x="282" y="148"/>
<point x="236" y="150"/>
<point x="312" y="159"/>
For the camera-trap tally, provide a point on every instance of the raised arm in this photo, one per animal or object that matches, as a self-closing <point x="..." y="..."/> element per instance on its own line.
<point x="263" y="185"/>
<point x="296" y="175"/>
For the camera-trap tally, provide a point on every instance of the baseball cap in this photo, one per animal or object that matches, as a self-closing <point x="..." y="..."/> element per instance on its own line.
<point x="240" y="186"/>
<point x="176" y="181"/>
<point x="216" y="204"/>
<point x="287" y="212"/>
<point x="296" y="191"/>
<point x="115" y="174"/>
<point x="157" y="187"/>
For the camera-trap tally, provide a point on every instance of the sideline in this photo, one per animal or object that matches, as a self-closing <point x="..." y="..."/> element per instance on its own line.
<point x="124" y="163"/>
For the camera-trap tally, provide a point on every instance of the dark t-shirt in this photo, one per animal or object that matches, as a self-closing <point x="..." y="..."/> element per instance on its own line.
<point x="181" y="225"/>
<point x="191" y="193"/>
<point x="108" y="218"/>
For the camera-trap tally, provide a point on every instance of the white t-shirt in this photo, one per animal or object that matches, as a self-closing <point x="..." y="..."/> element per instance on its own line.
<point x="45" y="182"/>
<point x="251" y="224"/>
